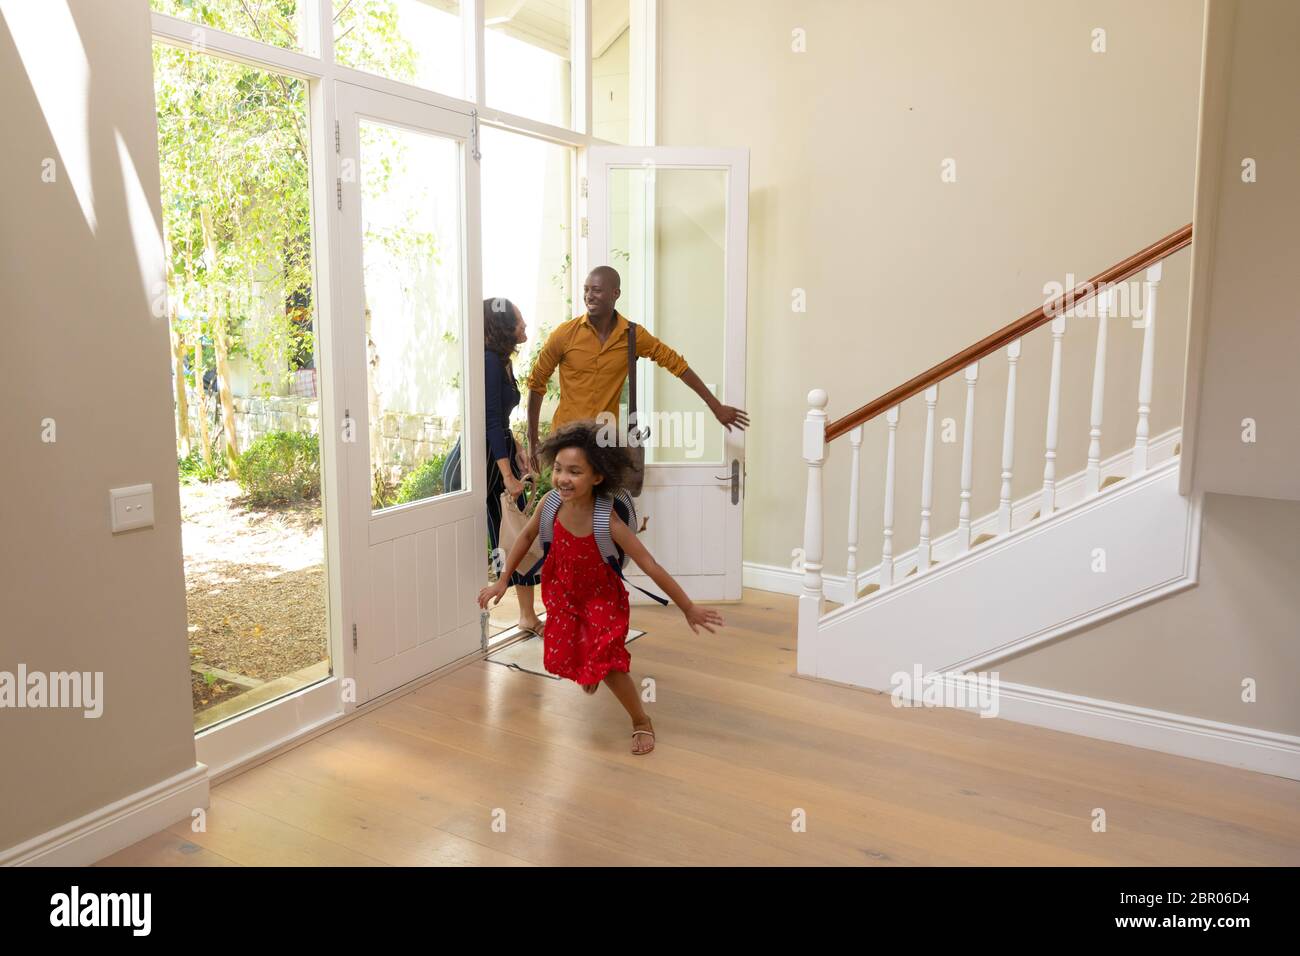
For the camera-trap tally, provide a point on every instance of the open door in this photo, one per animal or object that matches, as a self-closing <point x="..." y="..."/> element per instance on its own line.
<point x="408" y="201"/>
<point x="673" y="221"/>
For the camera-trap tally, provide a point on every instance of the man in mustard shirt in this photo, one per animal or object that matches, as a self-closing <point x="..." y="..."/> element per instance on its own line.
<point x="591" y="352"/>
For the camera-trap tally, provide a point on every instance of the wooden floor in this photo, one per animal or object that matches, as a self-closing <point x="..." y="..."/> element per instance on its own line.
<point x="742" y="745"/>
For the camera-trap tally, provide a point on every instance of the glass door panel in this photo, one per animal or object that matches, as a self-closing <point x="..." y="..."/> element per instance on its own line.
<point x="413" y="260"/>
<point x="668" y="240"/>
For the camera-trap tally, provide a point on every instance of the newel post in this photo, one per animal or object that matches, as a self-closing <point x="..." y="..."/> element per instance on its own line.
<point x="812" y="599"/>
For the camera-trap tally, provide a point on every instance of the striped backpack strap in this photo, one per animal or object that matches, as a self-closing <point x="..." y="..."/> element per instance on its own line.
<point x="610" y="551"/>
<point x="545" y="528"/>
<point x="600" y="527"/>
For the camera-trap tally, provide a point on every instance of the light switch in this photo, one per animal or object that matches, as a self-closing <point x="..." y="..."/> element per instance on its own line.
<point x="131" y="507"/>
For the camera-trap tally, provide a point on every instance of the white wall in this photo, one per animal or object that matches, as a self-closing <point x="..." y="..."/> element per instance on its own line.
<point x="1246" y="324"/>
<point x="78" y="259"/>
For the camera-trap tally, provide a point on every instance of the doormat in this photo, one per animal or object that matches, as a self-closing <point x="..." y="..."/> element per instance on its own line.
<point x="526" y="655"/>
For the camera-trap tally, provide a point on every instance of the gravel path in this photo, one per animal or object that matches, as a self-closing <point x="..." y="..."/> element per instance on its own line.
<point x="255" y="586"/>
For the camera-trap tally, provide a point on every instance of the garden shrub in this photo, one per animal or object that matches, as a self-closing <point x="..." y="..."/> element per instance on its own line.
<point x="280" y="467"/>
<point x="193" y="468"/>
<point x="424" y="481"/>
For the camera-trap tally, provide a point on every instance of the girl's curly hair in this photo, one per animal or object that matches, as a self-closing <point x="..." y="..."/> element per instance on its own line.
<point x="609" y="460"/>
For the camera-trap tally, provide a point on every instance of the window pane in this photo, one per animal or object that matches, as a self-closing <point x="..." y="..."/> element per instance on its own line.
<point x="611" y="48"/>
<point x="527" y="54"/>
<point x="414" y="41"/>
<point x="411" y="220"/>
<point x="526" y="232"/>
<point x="667" y="237"/>
<point x="237" y="222"/>
<point x="527" y="236"/>
<point x="277" y="22"/>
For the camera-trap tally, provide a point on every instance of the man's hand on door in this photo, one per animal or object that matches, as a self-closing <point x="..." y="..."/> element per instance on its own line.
<point x="729" y="415"/>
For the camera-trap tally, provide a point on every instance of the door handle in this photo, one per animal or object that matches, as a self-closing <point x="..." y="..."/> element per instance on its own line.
<point x="734" y="478"/>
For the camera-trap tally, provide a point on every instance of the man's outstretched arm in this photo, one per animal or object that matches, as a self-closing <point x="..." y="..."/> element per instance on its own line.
<point x="728" y="415"/>
<point x="666" y="358"/>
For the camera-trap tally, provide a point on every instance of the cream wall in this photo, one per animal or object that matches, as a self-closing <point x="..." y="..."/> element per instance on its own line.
<point x="81" y="347"/>
<point x="1067" y="161"/>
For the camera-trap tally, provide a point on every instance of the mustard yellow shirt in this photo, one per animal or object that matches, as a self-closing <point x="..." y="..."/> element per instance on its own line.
<point x="591" y="373"/>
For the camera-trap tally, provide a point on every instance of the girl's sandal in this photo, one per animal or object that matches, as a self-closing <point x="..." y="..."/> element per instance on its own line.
<point x="648" y="733"/>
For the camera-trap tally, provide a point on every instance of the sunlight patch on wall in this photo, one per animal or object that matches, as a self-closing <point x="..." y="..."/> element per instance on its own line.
<point x="145" y="233"/>
<point x="55" y="60"/>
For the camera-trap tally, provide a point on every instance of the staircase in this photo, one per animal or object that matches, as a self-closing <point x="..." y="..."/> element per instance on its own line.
<point x="1081" y="549"/>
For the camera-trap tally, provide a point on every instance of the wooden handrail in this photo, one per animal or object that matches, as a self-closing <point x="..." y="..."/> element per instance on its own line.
<point x="1022" y="326"/>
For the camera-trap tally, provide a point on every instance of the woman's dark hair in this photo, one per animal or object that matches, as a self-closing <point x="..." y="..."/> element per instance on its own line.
<point x="607" y="459"/>
<point x="499" y="321"/>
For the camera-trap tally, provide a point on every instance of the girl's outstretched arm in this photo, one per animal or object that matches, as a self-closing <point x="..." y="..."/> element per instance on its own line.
<point x="696" y="616"/>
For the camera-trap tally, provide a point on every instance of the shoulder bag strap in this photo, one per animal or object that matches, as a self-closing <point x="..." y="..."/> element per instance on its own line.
<point x="631" y="374"/>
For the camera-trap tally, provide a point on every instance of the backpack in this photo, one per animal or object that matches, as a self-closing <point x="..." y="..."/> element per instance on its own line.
<point x="621" y="503"/>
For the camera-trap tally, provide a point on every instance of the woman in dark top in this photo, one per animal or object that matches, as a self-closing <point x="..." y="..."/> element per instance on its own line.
<point x="503" y="332"/>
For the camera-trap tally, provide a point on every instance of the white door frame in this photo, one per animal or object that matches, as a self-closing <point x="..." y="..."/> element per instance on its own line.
<point x="418" y="615"/>
<point x="735" y="162"/>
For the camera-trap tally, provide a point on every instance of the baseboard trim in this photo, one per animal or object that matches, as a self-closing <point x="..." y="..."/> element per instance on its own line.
<point x="116" y="826"/>
<point x="770" y="577"/>
<point x="1233" y="745"/>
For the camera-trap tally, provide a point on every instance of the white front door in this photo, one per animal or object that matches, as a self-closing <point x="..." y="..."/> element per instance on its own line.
<point x="673" y="221"/>
<point x="408" y="189"/>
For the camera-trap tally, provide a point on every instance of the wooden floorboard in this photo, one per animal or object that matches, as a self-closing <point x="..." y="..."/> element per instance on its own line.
<point x="489" y="766"/>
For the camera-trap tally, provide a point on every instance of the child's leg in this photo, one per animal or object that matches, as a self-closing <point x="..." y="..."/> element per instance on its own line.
<point x="620" y="682"/>
<point x="527" y="613"/>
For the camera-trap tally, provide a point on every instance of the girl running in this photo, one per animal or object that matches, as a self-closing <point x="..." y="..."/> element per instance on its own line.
<point x="587" y="610"/>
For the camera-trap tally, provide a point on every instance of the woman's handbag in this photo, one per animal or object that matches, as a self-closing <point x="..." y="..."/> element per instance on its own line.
<point x="636" y="436"/>
<point x="513" y="522"/>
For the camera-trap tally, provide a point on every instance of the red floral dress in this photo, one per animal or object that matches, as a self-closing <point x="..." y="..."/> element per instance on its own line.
<point x="587" y="611"/>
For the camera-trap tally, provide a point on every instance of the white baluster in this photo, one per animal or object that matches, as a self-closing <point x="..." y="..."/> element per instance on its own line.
<point x="1053" y="419"/>
<point x="887" y="554"/>
<point x="1008" y="440"/>
<point x="855" y="439"/>
<point x="927" y="480"/>
<point x="1140" y="448"/>
<point x="967" y="451"/>
<point x="811" y="599"/>
<point x="1092" y="482"/>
